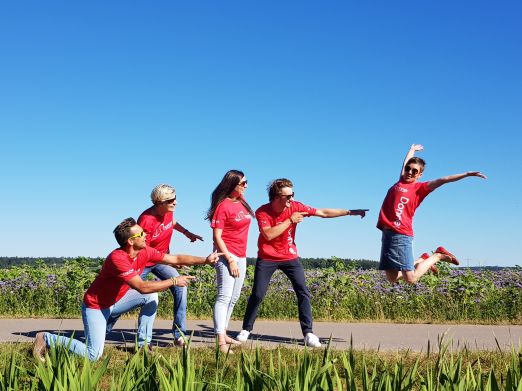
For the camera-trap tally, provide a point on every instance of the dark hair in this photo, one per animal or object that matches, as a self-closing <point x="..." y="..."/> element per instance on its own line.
<point x="274" y="187"/>
<point x="122" y="232"/>
<point x="227" y="185"/>
<point x="417" y="160"/>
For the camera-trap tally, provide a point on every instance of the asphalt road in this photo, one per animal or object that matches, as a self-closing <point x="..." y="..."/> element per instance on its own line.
<point x="382" y="336"/>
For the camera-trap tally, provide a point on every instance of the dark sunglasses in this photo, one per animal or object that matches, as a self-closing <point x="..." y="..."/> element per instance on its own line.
<point x="171" y="201"/>
<point x="243" y="184"/>
<point x="288" y="196"/>
<point x="414" y="171"/>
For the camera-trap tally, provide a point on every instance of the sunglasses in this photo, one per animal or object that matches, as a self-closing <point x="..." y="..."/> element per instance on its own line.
<point x="243" y="184"/>
<point x="171" y="201"/>
<point x="140" y="235"/>
<point x="288" y="196"/>
<point x="414" y="171"/>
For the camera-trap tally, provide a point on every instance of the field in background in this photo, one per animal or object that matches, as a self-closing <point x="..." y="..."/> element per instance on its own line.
<point x="339" y="292"/>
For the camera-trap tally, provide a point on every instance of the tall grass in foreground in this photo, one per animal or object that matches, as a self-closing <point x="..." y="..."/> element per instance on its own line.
<point x="338" y="293"/>
<point x="256" y="369"/>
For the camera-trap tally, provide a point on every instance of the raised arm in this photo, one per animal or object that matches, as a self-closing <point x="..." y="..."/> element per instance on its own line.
<point x="411" y="152"/>
<point x="453" y="178"/>
<point x="329" y="213"/>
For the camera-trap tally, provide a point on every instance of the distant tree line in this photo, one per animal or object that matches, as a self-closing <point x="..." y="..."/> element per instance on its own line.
<point x="308" y="263"/>
<point x="334" y="262"/>
<point x="7" y="262"/>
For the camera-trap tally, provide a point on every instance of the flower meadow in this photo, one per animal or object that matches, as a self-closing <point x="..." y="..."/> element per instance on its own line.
<point x="338" y="293"/>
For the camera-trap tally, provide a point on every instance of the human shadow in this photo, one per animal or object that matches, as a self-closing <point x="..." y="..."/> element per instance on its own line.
<point x="162" y="337"/>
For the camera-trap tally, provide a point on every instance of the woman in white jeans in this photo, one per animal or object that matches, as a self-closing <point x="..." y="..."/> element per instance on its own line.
<point x="230" y="217"/>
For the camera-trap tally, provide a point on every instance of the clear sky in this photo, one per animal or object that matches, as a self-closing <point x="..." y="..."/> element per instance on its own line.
<point x="102" y="100"/>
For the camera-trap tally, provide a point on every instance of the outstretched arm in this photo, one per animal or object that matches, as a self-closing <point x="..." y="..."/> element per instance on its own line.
<point x="453" y="178"/>
<point x="145" y="287"/>
<point x="188" y="260"/>
<point x="411" y="152"/>
<point x="192" y="237"/>
<point x="329" y="213"/>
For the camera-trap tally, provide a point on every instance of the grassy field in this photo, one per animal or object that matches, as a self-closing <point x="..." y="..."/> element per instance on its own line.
<point x="256" y="369"/>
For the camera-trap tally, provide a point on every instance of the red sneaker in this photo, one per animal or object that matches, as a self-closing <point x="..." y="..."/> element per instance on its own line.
<point x="433" y="268"/>
<point x="443" y="251"/>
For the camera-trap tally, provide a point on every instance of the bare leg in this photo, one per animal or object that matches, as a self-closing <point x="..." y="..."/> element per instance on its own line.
<point x="421" y="267"/>
<point x="396" y="275"/>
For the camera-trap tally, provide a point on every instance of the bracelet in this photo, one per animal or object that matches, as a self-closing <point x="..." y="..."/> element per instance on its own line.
<point x="174" y="281"/>
<point x="291" y="221"/>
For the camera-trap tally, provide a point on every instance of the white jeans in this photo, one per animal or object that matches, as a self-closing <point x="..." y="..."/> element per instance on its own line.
<point x="228" y="292"/>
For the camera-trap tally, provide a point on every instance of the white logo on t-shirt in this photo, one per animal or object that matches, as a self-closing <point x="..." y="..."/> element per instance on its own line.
<point x="399" y="210"/>
<point x="161" y="228"/>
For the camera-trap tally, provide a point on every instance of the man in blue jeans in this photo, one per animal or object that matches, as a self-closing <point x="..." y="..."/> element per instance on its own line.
<point x="277" y="222"/>
<point x="118" y="289"/>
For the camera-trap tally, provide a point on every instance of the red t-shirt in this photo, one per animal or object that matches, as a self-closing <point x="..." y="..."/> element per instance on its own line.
<point x="281" y="248"/>
<point x="399" y="206"/>
<point x="111" y="284"/>
<point x="233" y="218"/>
<point x="158" y="229"/>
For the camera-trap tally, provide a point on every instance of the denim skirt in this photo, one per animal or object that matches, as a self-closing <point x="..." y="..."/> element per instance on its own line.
<point x="396" y="251"/>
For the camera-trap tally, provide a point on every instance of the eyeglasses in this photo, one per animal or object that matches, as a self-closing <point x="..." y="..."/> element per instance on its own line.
<point x="171" y="201"/>
<point x="243" y="183"/>
<point x="140" y="235"/>
<point x="414" y="171"/>
<point x="288" y="196"/>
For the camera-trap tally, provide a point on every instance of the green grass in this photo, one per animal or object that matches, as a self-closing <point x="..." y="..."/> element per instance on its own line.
<point x="262" y="369"/>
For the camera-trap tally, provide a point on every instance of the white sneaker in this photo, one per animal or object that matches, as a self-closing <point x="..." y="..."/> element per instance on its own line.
<point x="312" y="340"/>
<point x="243" y="335"/>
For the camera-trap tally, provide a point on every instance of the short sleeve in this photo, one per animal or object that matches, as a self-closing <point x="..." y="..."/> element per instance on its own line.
<point x="263" y="219"/>
<point x="220" y="215"/>
<point x="305" y="208"/>
<point x="423" y="190"/>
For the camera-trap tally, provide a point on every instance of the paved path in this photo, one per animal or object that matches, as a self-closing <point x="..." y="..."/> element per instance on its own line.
<point x="383" y="336"/>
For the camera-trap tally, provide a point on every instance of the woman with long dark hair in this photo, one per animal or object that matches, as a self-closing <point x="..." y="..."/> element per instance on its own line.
<point x="230" y="217"/>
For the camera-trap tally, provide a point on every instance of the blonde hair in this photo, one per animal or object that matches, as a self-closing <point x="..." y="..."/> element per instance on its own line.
<point x="161" y="193"/>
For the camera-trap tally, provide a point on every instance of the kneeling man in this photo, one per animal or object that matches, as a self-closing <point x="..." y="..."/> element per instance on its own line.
<point x="119" y="289"/>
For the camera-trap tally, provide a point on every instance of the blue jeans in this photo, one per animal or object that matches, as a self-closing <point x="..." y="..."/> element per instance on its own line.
<point x="98" y="322"/>
<point x="228" y="292"/>
<point x="179" y="294"/>
<point x="262" y="275"/>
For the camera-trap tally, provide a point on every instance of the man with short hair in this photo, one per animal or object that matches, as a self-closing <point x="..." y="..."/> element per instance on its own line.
<point x="277" y="223"/>
<point x="118" y="289"/>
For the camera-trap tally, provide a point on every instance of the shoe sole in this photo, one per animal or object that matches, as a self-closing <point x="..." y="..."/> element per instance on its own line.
<point x="443" y="251"/>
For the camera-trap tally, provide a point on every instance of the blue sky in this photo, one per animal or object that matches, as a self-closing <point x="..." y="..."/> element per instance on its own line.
<point x="101" y="101"/>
